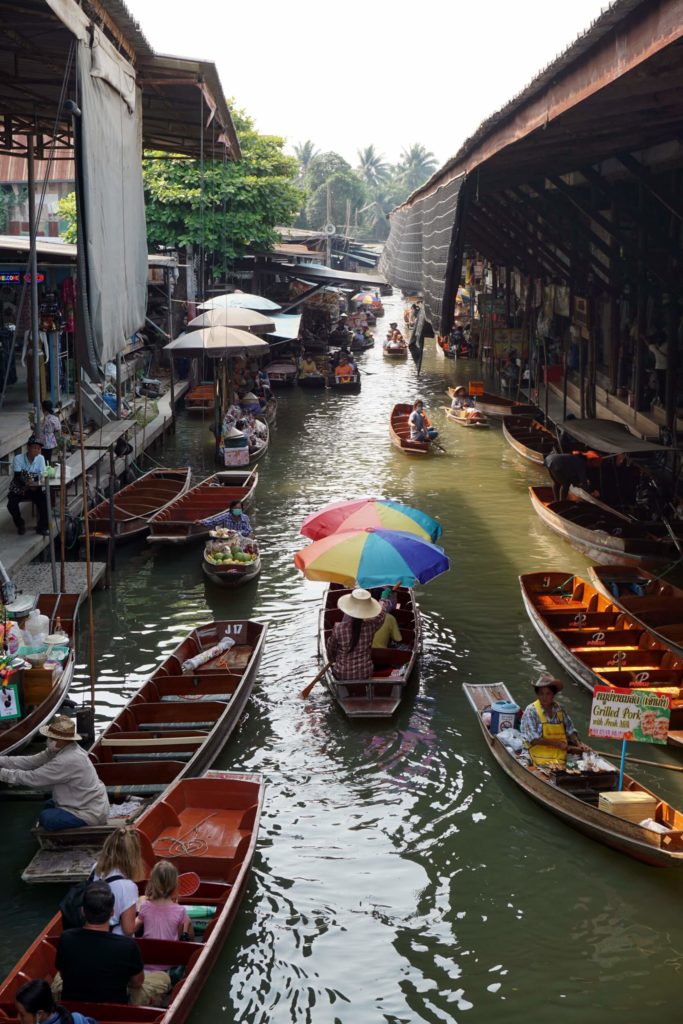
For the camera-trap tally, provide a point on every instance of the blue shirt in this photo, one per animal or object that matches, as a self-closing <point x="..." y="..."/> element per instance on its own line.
<point x="240" y="524"/>
<point x="22" y="465"/>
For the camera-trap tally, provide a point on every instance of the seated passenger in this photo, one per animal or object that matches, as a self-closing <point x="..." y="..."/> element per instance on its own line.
<point x="345" y="367"/>
<point x="160" y="915"/>
<point x="388" y="632"/>
<point x="461" y="399"/>
<point x="79" y="798"/>
<point x="35" y="1004"/>
<point x="420" y="427"/>
<point x="309" y="367"/>
<point x="120" y="866"/>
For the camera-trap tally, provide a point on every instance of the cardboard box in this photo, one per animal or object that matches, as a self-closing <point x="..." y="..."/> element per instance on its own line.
<point x="629" y="805"/>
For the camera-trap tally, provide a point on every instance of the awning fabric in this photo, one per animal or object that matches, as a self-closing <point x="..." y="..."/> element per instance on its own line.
<point x="113" y="198"/>
<point x="286" y="327"/>
<point x="610" y="436"/>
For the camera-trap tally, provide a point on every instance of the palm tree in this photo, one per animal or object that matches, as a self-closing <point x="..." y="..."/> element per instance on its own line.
<point x="416" y="165"/>
<point x="305" y="152"/>
<point x="372" y="167"/>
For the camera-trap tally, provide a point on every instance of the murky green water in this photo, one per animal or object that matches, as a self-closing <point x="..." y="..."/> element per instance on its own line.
<point x="400" y="877"/>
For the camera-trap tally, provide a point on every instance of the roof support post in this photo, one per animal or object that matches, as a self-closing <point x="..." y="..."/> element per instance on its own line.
<point x="33" y="262"/>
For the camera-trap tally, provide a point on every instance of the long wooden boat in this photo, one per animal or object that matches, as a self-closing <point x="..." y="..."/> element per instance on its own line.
<point x="529" y="438"/>
<point x="380" y="696"/>
<point x="258" y="453"/>
<point x="574" y="797"/>
<point x="647" y="599"/>
<point x="173" y="728"/>
<point x="399" y="431"/>
<point x="282" y="374"/>
<point x="200" y="400"/>
<point x="269" y="411"/>
<point x="350" y="384"/>
<point x="395" y="350"/>
<point x="222" y="812"/>
<point x="604" y="536"/>
<point x="443" y="348"/>
<point x="135" y="504"/>
<point x="598" y="643"/>
<point x="228" y="573"/>
<point x="312" y="380"/>
<point x="181" y="521"/>
<point x="496" y="405"/>
<point x="40" y="694"/>
<point x="466" y="417"/>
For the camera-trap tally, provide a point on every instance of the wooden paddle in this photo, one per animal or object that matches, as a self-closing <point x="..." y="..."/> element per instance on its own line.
<point x="638" y="760"/>
<point x="307" y="689"/>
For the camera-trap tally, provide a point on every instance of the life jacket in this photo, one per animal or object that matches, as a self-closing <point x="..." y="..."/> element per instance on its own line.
<point x="549" y="756"/>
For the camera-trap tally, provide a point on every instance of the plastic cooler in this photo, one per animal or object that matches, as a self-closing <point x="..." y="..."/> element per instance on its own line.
<point x="503" y="715"/>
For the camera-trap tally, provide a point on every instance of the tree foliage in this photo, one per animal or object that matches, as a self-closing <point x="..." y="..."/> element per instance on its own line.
<point x="67" y="212"/>
<point x="372" y="167"/>
<point x="227" y="207"/>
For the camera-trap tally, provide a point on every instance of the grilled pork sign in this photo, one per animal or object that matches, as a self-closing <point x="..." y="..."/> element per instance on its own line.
<point x="618" y="714"/>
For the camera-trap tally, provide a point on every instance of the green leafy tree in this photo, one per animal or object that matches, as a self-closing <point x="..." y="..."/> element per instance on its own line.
<point x="304" y="153"/>
<point x="345" y="186"/>
<point x="66" y="208"/>
<point x="227" y="207"/>
<point x="372" y="167"/>
<point x="415" y="166"/>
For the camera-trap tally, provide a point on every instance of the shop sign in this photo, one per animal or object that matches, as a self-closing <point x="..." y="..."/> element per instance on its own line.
<point x="487" y="304"/>
<point x="476" y="388"/>
<point x="8" y="278"/>
<point x="621" y="714"/>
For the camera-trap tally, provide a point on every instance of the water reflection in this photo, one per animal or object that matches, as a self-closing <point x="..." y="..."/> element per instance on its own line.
<point x="400" y="876"/>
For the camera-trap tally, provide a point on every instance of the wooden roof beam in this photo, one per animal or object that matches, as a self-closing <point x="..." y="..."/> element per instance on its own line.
<point x="521" y="226"/>
<point x="509" y="249"/>
<point x="646" y="179"/>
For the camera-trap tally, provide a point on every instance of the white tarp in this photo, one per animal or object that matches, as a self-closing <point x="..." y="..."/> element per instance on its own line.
<point x="113" y="198"/>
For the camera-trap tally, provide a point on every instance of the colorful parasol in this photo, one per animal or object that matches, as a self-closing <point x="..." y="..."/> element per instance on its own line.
<point x="366" y="299"/>
<point x="361" y="513"/>
<point x="372" y="558"/>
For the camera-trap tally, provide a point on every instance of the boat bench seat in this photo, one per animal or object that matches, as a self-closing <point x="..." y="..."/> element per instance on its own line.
<point x="587" y="620"/>
<point x="657" y="676"/>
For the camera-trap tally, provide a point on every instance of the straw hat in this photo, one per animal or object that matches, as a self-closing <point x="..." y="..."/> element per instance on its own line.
<point x="461" y="389"/>
<point x="545" y="679"/>
<point x="359" y="604"/>
<point x="234" y="432"/>
<point x="60" y="728"/>
<point x="250" y="398"/>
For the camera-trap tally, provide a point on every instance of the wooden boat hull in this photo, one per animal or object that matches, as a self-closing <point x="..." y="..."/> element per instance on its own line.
<point x="380" y="696"/>
<point x="223" y="811"/>
<point x="461" y="417"/>
<point x="445" y="350"/>
<point x="21" y="732"/>
<point x="597" y="644"/>
<point x="257" y="455"/>
<point x="174" y="727"/>
<point x="135" y="504"/>
<point x="496" y="405"/>
<point x="529" y="438"/>
<point x="180" y="522"/>
<point x="312" y="381"/>
<point x="269" y="411"/>
<point x="628" y="546"/>
<point x="396" y="353"/>
<point x="659" y="610"/>
<point x="350" y="385"/>
<point x="399" y="432"/>
<point x="282" y="375"/>
<point x="231" y="577"/>
<point x="619" y="834"/>
<point x="200" y="400"/>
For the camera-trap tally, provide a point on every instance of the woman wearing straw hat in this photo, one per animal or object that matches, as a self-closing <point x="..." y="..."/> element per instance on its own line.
<point x="546" y="728"/>
<point x="461" y="400"/>
<point x="349" y="646"/>
<point x="79" y="798"/>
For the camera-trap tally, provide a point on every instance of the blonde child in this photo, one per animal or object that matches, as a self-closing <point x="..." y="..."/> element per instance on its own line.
<point x="159" y="914"/>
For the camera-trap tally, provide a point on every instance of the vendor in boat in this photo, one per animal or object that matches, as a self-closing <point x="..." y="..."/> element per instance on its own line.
<point x="79" y="798"/>
<point x="547" y="730"/>
<point x="461" y="400"/>
<point x="27" y="485"/>
<point x="420" y="427"/>
<point x="309" y="367"/>
<point x="349" y="645"/>
<point x="344" y="367"/>
<point x="569" y="470"/>
<point x="232" y="518"/>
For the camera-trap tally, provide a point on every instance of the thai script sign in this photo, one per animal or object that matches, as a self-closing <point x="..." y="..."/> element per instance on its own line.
<point x="639" y="715"/>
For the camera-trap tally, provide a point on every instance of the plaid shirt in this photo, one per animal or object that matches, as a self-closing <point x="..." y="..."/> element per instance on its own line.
<point x="240" y="524"/>
<point x="356" y="663"/>
<point x="531" y="726"/>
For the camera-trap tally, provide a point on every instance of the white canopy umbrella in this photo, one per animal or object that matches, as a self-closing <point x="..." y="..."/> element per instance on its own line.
<point x="243" y="319"/>
<point x="239" y="300"/>
<point x="217" y="343"/>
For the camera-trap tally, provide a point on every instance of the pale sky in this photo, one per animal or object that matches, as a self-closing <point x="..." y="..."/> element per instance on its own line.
<point x="369" y="71"/>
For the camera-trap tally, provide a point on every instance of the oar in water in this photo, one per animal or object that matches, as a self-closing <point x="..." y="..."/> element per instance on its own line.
<point x="638" y="760"/>
<point x="307" y="689"/>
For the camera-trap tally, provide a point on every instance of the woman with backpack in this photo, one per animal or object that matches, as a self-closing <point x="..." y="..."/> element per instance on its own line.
<point x="120" y="866"/>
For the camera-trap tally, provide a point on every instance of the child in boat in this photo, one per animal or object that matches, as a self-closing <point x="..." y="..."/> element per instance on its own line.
<point x="160" y="915"/>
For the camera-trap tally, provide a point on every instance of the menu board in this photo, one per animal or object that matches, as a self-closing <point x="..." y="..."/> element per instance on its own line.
<point x="639" y="715"/>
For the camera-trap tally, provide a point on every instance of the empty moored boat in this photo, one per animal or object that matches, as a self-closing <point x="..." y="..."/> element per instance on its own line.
<point x="647" y="599"/>
<point x="135" y="504"/>
<point x="201" y="400"/>
<point x="529" y="438"/>
<point x="181" y="521"/>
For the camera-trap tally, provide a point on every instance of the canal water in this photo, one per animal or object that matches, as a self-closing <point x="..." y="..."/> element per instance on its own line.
<point x="399" y="877"/>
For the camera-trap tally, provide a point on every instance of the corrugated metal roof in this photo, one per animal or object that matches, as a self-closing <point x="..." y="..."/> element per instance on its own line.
<point x="14" y="244"/>
<point x="15" y="169"/>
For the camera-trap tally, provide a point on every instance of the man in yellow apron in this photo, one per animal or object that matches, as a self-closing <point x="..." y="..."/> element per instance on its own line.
<point x="546" y="728"/>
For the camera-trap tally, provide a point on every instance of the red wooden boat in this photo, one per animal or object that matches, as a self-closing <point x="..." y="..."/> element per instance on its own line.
<point x="399" y="431"/>
<point x="647" y="599"/>
<point x="201" y="400"/>
<point x="222" y="811"/>
<point x="529" y="438"/>
<point x="496" y="405"/>
<point x="180" y="521"/>
<point x="173" y="727"/>
<point x="380" y="696"/>
<point x="597" y="643"/>
<point x="135" y="504"/>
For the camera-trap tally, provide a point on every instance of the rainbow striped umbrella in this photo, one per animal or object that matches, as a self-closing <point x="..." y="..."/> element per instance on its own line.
<point x="379" y="513"/>
<point x="372" y="558"/>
